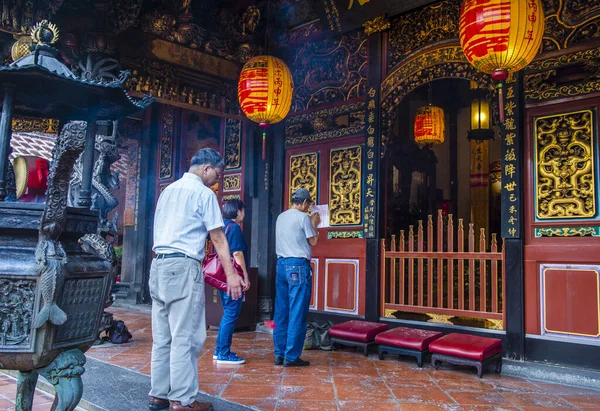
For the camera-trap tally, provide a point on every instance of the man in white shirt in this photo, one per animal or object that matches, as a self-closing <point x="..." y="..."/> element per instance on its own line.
<point x="187" y="211"/>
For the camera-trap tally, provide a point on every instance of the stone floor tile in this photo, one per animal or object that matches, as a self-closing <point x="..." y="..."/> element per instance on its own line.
<point x="307" y="380"/>
<point x="487" y="408"/>
<point x="306" y="370"/>
<point x="460" y="385"/>
<point x="418" y="394"/>
<point x="258" y="403"/>
<point x="558" y="389"/>
<point x="214" y="378"/>
<point x="430" y="407"/>
<point x="480" y="398"/>
<point x="539" y="400"/>
<point x="250" y="391"/>
<point x="293" y="405"/>
<point x="583" y="401"/>
<point x="212" y="389"/>
<point x="356" y="392"/>
<point x="368" y="405"/>
<point x="295" y="392"/>
<point x="241" y="377"/>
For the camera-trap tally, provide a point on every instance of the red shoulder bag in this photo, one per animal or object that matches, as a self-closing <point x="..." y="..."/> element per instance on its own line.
<point x="214" y="274"/>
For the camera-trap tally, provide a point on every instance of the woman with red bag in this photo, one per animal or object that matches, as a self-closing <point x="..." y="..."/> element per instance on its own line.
<point x="233" y="215"/>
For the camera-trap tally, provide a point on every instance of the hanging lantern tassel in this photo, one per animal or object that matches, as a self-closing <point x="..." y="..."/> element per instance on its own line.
<point x="264" y="125"/>
<point x="500" y="75"/>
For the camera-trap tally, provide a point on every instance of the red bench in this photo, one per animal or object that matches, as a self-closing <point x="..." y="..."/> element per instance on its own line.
<point x="406" y="341"/>
<point x="465" y="349"/>
<point x="356" y="334"/>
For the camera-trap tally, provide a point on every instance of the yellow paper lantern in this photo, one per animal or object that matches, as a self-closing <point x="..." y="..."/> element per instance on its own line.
<point x="430" y="126"/>
<point x="265" y="89"/>
<point x="498" y="36"/>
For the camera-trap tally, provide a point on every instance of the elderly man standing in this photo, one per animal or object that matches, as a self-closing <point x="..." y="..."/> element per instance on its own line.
<point x="295" y="234"/>
<point x="186" y="212"/>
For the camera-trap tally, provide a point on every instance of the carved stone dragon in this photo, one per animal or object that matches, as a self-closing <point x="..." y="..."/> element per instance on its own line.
<point x="103" y="180"/>
<point x="50" y="255"/>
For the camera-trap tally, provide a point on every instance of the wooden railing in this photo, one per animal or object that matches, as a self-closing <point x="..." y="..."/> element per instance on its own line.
<point x="416" y="278"/>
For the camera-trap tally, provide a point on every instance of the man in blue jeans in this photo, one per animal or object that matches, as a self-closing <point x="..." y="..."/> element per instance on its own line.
<point x="295" y="234"/>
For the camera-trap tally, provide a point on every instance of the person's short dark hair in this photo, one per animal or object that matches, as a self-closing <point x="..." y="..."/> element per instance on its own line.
<point x="232" y="207"/>
<point x="207" y="156"/>
<point x="300" y="195"/>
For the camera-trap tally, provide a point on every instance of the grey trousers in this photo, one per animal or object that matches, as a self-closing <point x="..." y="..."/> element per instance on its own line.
<point x="178" y="327"/>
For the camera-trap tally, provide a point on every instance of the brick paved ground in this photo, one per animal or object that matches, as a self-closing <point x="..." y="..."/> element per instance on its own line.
<point x="342" y="380"/>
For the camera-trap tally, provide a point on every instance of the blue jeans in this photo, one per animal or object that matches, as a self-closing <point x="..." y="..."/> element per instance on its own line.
<point x="293" y="288"/>
<point x="231" y="312"/>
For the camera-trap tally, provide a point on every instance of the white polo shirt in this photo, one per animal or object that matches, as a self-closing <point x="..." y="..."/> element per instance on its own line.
<point x="186" y="211"/>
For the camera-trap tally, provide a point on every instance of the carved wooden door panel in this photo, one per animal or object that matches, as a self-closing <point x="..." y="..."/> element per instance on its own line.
<point x="332" y="173"/>
<point x="562" y="227"/>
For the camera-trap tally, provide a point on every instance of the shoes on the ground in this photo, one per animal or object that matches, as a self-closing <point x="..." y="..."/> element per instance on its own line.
<point x="278" y="361"/>
<point x="157" y="404"/>
<point x="195" y="406"/>
<point x="230" y="359"/>
<point x="216" y="355"/>
<point x="298" y="362"/>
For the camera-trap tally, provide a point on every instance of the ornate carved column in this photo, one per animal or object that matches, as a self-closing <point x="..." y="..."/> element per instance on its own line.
<point x="85" y="193"/>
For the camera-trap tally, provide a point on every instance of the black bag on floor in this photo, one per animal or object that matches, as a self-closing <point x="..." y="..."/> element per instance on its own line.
<point x="117" y="333"/>
<point x="317" y="336"/>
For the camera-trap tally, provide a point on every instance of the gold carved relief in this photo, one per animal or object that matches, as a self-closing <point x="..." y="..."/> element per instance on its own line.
<point x="304" y="172"/>
<point x="345" y="186"/>
<point x="233" y="142"/>
<point x="569" y="22"/>
<point x="232" y="182"/>
<point x="32" y="125"/>
<point x="565" y="166"/>
<point x="378" y="24"/>
<point x="166" y="147"/>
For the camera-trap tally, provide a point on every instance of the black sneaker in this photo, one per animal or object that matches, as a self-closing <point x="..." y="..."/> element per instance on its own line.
<point x="297" y="363"/>
<point x="278" y="361"/>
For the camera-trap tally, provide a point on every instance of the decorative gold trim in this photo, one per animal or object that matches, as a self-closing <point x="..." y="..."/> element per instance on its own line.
<point x="414" y="64"/>
<point x="540" y="82"/>
<point x="345" y="196"/>
<point x="231" y="197"/>
<point x="166" y="146"/>
<point x="376" y="25"/>
<point x="323" y="122"/>
<point x="495" y="324"/>
<point x="440" y="318"/>
<point x="232" y="182"/>
<point x="387" y="313"/>
<point x="564" y="166"/>
<point x="544" y="270"/>
<point x="33" y="125"/>
<point x="304" y="173"/>
<point x="345" y="234"/>
<point x="233" y="143"/>
<point x="567" y="231"/>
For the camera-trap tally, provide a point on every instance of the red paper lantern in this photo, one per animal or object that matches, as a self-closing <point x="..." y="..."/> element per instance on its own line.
<point x="265" y="89"/>
<point x="430" y="125"/>
<point x="498" y="36"/>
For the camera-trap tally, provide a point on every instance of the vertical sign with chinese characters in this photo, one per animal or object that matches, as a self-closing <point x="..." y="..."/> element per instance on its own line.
<point x="371" y="164"/>
<point x="511" y="155"/>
